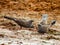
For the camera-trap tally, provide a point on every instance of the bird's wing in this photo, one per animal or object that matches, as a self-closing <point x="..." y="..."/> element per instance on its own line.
<point x="44" y="19"/>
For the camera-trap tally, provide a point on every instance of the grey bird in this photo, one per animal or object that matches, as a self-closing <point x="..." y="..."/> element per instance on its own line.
<point x="21" y="22"/>
<point x="43" y="27"/>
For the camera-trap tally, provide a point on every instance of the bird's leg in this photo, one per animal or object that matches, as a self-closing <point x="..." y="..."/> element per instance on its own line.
<point x="21" y="27"/>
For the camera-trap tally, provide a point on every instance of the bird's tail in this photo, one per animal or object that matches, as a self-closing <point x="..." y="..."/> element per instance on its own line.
<point x="10" y="18"/>
<point x="52" y="23"/>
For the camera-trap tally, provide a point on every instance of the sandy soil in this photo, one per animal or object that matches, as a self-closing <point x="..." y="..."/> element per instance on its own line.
<point x="29" y="9"/>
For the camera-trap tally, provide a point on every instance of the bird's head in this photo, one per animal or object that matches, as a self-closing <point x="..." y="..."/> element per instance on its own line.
<point x="44" y="16"/>
<point x="31" y="21"/>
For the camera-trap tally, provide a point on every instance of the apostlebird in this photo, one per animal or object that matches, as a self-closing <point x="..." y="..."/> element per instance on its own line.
<point x="21" y="22"/>
<point x="43" y="27"/>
